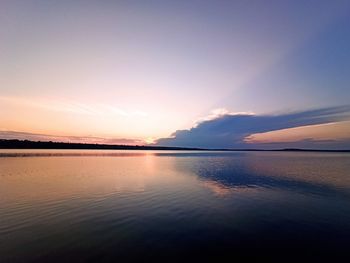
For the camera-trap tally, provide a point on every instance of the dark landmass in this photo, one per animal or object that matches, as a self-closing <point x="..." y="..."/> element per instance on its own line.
<point x="25" y="144"/>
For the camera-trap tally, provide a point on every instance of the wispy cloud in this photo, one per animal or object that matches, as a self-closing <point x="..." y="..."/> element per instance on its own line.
<point x="9" y="135"/>
<point x="229" y="130"/>
<point x="73" y="107"/>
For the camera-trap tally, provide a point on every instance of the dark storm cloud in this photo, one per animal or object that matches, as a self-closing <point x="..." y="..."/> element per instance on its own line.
<point x="229" y="131"/>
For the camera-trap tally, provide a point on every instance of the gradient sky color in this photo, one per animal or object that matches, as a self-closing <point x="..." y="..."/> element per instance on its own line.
<point x="137" y="71"/>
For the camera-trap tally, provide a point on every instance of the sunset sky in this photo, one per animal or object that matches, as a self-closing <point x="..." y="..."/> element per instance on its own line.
<point x="248" y="74"/>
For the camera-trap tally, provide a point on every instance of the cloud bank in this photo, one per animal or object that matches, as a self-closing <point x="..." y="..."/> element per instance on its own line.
<point x="232" y="130"/>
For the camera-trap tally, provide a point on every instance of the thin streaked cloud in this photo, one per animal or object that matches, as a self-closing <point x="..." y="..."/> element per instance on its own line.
<point x="15" y="135"/>
<point x="61" y="105"/>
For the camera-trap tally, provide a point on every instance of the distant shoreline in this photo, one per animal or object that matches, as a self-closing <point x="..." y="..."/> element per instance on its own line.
<point x="26" y="144"/>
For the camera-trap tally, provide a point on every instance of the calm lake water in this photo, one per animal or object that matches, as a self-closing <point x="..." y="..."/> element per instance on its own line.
<point x="90" y="205"/>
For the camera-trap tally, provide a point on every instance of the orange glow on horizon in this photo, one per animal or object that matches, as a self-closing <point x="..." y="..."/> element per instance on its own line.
<point x="330" y="131"/>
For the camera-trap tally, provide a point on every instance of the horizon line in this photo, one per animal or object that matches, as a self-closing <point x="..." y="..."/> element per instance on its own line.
<point x="28" y="144"/>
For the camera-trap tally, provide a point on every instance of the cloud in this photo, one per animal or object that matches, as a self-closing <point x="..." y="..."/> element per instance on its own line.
<point x="71" y="107"/>
<point x="220" y="112"/>
<point x="230" y="130"/>
<point x="9" y="135"/>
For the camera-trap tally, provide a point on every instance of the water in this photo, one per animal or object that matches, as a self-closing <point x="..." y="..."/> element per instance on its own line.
<point x="87" y="206"/>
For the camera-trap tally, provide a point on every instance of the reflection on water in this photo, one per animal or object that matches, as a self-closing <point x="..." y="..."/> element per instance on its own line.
<point x="86" y="205"/>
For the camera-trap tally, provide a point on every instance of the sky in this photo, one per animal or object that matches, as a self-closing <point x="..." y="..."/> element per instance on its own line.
<point x="215" y="74"/>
